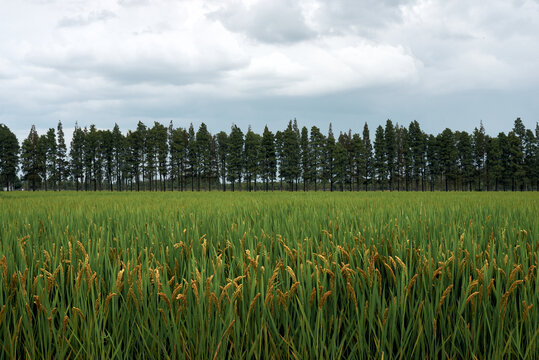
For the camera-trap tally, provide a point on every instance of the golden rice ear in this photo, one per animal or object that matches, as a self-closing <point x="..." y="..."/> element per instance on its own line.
<point x="324" y="298"/>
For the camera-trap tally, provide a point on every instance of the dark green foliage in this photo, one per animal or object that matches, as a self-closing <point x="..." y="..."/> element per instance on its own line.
<point x="203" y="149"/>
<point x="359" y="160"/>
<point x="417" y="143"/>
<point x="328" y="168"/>
<point x="267" y="158"/>
<point x="380" y="164"/>
<point x="403" y="159"/>
<point x="76" y="153"/>
<point x="340" y="169"/>
<point x="107" y="149"/>
<point x="48" y="150"/>
<point x="433" y="164"/>
<point x="31" y="166"/>
<point x="119" y="155"/>
<point x="9" y="157"/>
<point x="447" y="156"/>
<point x="160" y="158"/>
<point x="290" y="169"/>
<point x="252" y="157"/>
<point x="306" y="158"/>
<point x="479" y="152"/>
<point x="390" y="141"/>
<point x="178" y="155"/>
<point x="369" y="161"/>
<point x="222" y="152"/>
<point x="465" y="159"/>
<point x="318" y="141"/>
<point x="62" y="165"/>
<point x="495" y="161"/>
<point x="236" y="158"/>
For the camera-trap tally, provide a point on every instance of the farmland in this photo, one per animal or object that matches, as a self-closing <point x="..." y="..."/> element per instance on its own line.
<point x="278" y="275"/>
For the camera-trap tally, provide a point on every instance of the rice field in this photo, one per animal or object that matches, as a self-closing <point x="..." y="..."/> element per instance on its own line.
<point x="269" y="275"/>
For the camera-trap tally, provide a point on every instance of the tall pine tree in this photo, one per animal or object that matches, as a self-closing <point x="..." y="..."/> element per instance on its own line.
<point x="30" y="158"/>
<point x="236" y="158"/>
<point x="62" y="164"/>
<point x="9" y="157"/>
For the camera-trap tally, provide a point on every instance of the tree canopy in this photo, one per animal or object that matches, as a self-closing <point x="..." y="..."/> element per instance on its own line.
<point x="163" y="158"/>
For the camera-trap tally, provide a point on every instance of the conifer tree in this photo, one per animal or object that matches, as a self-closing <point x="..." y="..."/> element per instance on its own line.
<point x="203" y="146"/>
<point x="137" y="144"/>
<point x="236" y="157"/>
<point x="494" y="161"/>
<point x="369" y="161"/>
<point x="268" y="161"/>
<point x="417" y="145"/>
<point x="515" y="159"/>
<point x="119" y="154"/>
<point x="432" y="160"/>
<point x="107" y="153"/>
<point x="150" y="152"/>
<point x="179" y="149"/>
<point x="317" y="141"/>
<point x="479" y="150"/>
<point x="390" y="151"/>
<point x="465" y="159"/>
<point x="306" y="157"/>
<point x="252" y="149"/>
<point x="62" y="164"/>
<point x="279" y="152"/>
<point x="290" y="158"/>
<point x="448" y="156"/>
<point x="328" y="172"/>
<point x="51" y="156"/>
<point x="403" y="159"/>
<point x="76" y="154"/>
<point x="31" y="166"/>
<point x="380" y="157"/>
<point x="340" y="165"/>
<point x="9" y="157"/>
<point x="222" y="154"/>
<point x="359" y="160"/>
<point x="192" y="156"/>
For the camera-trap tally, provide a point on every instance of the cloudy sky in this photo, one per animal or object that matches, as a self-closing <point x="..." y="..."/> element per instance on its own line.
<point x="257" y="62"/>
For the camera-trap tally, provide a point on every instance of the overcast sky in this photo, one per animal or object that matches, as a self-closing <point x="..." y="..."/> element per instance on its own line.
<point x="257" y="62"/>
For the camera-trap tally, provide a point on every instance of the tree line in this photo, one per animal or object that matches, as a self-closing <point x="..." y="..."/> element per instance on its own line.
<point x="160" y="158"/>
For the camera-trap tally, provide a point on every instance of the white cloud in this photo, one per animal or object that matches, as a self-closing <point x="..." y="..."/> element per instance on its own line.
<point x="324" y="66"/>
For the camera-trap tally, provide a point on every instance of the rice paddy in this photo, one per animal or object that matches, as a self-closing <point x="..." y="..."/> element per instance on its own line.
<point x="269" y="275"/>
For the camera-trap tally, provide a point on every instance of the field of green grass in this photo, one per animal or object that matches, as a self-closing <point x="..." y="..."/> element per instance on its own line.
<point x="269" y="275"/>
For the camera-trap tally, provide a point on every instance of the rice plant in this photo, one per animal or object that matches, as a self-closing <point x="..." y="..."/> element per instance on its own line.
<point x="314" y="275"/>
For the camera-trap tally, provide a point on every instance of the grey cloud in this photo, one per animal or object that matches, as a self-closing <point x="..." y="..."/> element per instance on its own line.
<point x="83" y="20"/>
<point x="142" y="70"/>
<point x="364" y="17"/>
<point x="158" y="73"/>
<point x="277" y="21"/>
<point x="133" y="2"/>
